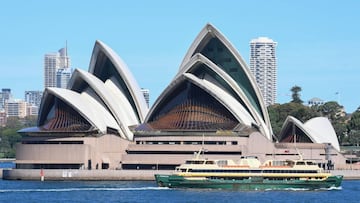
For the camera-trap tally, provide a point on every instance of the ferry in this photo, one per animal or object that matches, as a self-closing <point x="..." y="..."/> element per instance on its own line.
<point x="248" y="173"/>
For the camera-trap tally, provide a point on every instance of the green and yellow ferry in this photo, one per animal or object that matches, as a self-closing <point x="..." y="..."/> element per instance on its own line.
<point x="248" y="173"/>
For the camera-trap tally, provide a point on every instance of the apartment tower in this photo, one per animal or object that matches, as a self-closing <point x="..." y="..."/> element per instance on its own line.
<point x="264" y="67"/>
<point x="56" y="69"/>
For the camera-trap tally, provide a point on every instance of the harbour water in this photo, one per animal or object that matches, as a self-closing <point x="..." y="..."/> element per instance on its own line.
<point x="147" y="191"/>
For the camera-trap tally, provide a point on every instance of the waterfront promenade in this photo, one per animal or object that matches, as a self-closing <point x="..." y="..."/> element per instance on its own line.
<point x="118" y="175"/>
<point x="70" y="174"/>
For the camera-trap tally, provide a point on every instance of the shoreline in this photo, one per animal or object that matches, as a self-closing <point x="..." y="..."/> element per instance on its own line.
<point x="110" y="175"/>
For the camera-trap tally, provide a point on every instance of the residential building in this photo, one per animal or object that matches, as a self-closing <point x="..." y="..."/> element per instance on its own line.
<point x="15" y="108"/>
<point x="54" y="65"/>
<point x="315" y="101"/>
<point x="63" y="76"/>
<point x="263" y="66"/>
<point x="5" y="94"/>
<point x="146" y="93"/>
<point x="32" y="110"/>
<point x="33" y="97"/>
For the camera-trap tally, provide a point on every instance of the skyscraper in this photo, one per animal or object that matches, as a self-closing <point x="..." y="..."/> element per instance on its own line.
<point x="63" y="76"/>
<point x="264" y="67"/>
<point x="146" y="93"/>
<point x="54" y="65"/>
<point x="5" y="94"/>
<point x="33" y="97"/>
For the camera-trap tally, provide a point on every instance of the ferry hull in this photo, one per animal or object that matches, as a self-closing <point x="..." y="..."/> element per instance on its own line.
<point x="253" y="183"/>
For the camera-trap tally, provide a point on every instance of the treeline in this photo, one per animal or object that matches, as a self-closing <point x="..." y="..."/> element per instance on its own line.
<point x="9" y="136"/>
<point x="347" y="126"/>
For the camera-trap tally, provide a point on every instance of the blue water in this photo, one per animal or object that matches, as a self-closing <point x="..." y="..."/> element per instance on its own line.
<point x="7" y="165"/>
<point x="147" y="191"/>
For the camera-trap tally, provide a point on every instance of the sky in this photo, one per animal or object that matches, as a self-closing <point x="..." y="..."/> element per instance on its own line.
<point x="318" y="41"/>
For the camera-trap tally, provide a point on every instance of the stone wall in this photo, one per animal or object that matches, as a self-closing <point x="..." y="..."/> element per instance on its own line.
<point x="51" y="174"/>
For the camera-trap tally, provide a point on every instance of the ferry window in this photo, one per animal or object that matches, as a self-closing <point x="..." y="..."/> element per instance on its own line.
<point x="234" y="142"/>
<point x="300" y="163"/>
<point x="194" y="162"/>
<point x="222" y="162"/>
<point x="310" y="163"/>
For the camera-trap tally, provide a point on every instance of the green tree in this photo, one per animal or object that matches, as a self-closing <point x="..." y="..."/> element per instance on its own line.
<point x="354" y="129"/>
<point x="337" y="116"/>
<point x="9" y="136"/>
<point x="332" y="110"/>
<point x="30" y="121"/>
<point x="296" y="94"/>
<point x="13" y="122"/>
<point x="279" y="112"/>
<point x="354" y="137"/>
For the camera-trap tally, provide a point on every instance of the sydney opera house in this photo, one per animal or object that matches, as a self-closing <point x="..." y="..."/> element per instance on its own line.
<point x="101" y="120"/>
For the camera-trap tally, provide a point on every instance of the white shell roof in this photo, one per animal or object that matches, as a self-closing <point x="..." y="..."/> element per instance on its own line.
<point x="114" y="100"/>
<point x="116" y="111"/>
<point x="210" y="31"/>
<point x="224" y="98"/>
<point x="323" y="131"/>
<point x="87" y="107"/>
<point x="318" y="129"/>
<point x="125" y="74"/>
<point x="199" y="58"/>
<point x="102" y="103"/>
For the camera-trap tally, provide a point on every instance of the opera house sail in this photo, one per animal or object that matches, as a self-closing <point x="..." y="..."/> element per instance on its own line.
<point x="101" y="120"/>
<point x="88" y="124"/>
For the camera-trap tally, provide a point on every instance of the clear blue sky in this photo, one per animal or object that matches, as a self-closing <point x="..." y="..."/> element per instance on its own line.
<point x="318" y="41"/>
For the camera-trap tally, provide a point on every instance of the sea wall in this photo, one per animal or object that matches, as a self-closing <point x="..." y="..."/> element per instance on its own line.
<point x="125" y="175"/>
<point x="348" y="174"/>
<point x="52" y="174"/>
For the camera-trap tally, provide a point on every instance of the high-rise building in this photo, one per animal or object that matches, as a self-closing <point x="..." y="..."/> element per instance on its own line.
<point x="263" y="66"/>
<point x="146" y="93"/>
<point x="5" y="94"/>
<point x="54" y="65"/>
<point x="33" y="97"/>
<point x="63" y="76"/>
<point x="15" y="108"/>
<point x="32" y="110"/>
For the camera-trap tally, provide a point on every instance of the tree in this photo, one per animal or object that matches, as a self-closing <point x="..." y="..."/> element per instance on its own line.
<point x="278" y="113"/>
<point x="9" y="135"/>
<point x="354" y="137"/>
<point x="354" y="123"/>
<point x="13" y="122"/>
<point x="332" y="110"/>
<point x="296" y="94"/>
